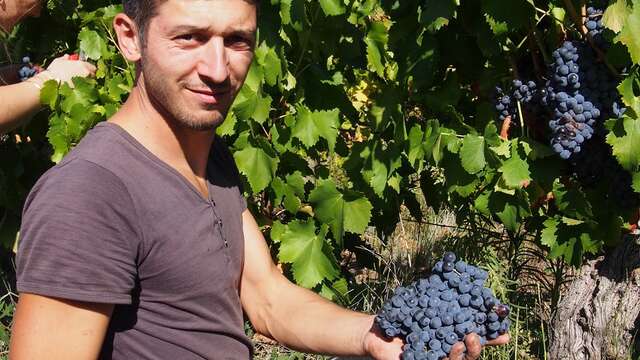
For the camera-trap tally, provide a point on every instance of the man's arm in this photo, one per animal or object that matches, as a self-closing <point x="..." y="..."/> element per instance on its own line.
<point x="48" y="328"/>
<point x="294" y="316"/>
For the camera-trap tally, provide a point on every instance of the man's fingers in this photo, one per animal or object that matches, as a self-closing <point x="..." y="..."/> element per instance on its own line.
<point x="472" y="341"/>
<point x="90" y="68"/>
<point x="500" y="340"/>
<point x="457" y="351"/>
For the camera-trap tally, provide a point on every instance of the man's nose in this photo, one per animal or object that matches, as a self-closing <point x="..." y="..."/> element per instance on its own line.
<point x="214" y="64"/>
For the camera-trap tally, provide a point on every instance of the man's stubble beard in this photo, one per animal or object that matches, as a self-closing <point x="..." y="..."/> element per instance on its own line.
<point x="168" y="104"/>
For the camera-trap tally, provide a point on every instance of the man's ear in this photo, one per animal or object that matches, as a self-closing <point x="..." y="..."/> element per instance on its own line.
<point x="128" y="40"/>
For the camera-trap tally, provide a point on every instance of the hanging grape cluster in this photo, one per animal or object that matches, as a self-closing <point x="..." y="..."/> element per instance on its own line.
<point x="506" y="103"/>
<point x="434" y="313"/>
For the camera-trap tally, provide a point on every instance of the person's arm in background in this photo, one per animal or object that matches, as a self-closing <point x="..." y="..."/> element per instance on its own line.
<point x="20" y="101"/>
<point x="9" y="74"/>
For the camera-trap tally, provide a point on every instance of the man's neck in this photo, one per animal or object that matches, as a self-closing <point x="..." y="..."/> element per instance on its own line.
<point x="182" y="148"/>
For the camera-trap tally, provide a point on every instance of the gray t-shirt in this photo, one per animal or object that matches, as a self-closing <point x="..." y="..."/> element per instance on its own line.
<point x="112" y="223"/>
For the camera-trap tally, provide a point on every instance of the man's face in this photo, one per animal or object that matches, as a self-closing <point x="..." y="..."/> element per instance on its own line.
<point x="196" y="57"/>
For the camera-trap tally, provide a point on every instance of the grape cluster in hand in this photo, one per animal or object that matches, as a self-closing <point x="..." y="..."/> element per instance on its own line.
<point x="434" y="313"/>
<point x="27" y="70"/>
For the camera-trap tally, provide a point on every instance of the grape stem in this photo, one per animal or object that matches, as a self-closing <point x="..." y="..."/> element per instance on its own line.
<point x="504" y="130"/>
<point x="583" y="31"/>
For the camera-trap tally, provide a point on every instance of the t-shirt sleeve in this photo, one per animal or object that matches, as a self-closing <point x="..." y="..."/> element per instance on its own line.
<point x="79" y="237"/>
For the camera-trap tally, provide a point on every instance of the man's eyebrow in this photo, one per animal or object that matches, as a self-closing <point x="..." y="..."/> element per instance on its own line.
<point x="246" y="33"/>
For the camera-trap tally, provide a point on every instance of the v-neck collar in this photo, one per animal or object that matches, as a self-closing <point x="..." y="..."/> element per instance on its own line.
<point x="136" y="144"/>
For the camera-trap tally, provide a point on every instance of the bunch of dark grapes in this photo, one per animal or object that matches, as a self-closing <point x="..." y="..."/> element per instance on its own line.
<point x="27" y="70"/>
<point x="506" y="103"/>
<point x="574" y="116"/>
<point x="434" y="313"/>
<point x="595" y="28"/>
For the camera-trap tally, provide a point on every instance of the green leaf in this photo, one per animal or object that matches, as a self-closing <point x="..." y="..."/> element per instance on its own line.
<point x="515" y="171"/>
<point x="337" y="292"/>
<point x="228" y="125"/>
<point x="437" y="13"/>
<point x="629" y="33"/>
<point x="376" y="42"/>
<point x="333" y="7"/>
<point x="616" y="14"/>
<point x="270" y="62"/>
<point x="624" y="138"/>
<point x="310" y="126"/>
<point x="342" y="212"/>
<point x="58" y="139"/>
<point x="571" y="201"/>
<point x="92" y="44"/>
<point x="628" y="95"/>
<point x="635" y="183"/>
<point x="549" y="237"/>
<point x="416" y="145"/>
<point x="257" y="166"/>
<point x="49" y="94"/>
<point x="472" y="154"/>
<point x="292" y="13"/>
<point x="311" y="257"/>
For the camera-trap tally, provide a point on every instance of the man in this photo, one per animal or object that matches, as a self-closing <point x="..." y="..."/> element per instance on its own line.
<point x="138" y="245"/>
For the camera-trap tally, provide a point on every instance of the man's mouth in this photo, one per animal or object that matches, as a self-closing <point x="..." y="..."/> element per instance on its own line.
<point x="209" y="96"/>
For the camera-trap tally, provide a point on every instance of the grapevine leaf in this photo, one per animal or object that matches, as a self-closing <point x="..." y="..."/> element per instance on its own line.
<point x="504" y="149"/>
<point x="310" y="255"/>
<point x="49" y="94"/>
<point x="57" y="136"/>
<point x="515" y="171"/>
<point x="257" y="166"/>
<point x="549" y="237"/>
<point x="635" y="183"/>
<point x="571" y="222"/>
<point x="571" y="201"/>
<point x="376" y="42"/>
<point x="629" y="33"/>
<point x="615" y="15"/>
<point x="416" y="145"/>
<point x="516" y="15"/>
<point x="481" y="203"/>
<point x="277" y="230"/>
<point x="342" y="212"/>
<point x="296" y="181"/>
<point x="310" y="126"/>
<point x="437" y="13"/>
<point x="228" y="125"/>
<point x="472" y="154"/>
<point x="337" y="292"/>
<point x="332" y="7"/>
<point x="624" y="139"/>
<point x="505" y="211"/>
<point x="262" y="109"/>
<point x="92" y="44"/>
<point x="270" y="63"/>
<point x="628" y="95"/>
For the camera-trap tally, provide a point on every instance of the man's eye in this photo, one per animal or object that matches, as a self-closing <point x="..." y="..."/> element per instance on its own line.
<point x="186" y="37"/>
<point x="239" y="42"/>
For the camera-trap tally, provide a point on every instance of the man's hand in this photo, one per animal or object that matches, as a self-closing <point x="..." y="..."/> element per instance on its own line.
<point x="381" y="348"/>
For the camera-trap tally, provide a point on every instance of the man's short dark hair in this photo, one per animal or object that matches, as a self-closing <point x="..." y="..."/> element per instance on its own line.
<point x="141" y="11"/>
